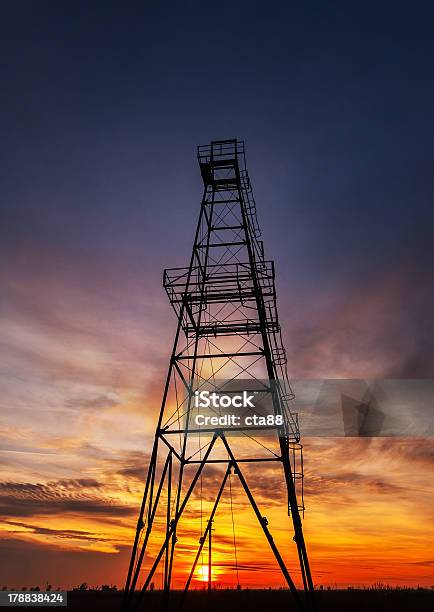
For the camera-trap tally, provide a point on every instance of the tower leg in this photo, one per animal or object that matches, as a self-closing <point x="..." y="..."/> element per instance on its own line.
<point x="298" y="529"/>
<point x="128" y="594"/>
<point x="173" y="525"/>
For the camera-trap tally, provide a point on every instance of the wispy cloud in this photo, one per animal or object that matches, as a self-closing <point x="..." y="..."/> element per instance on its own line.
<point x="78" y="496"/>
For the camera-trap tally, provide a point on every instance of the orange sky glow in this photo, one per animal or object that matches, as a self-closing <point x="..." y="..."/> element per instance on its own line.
<point x="76" y="437"/>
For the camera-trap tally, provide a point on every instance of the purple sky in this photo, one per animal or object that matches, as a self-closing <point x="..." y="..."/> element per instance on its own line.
<point x="102" y="110"/>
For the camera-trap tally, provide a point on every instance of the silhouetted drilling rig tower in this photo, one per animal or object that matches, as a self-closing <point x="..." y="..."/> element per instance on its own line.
<point x="228" y="330"/>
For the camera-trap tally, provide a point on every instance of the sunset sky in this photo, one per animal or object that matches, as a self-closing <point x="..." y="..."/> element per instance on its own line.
<point x="102" y="109"/>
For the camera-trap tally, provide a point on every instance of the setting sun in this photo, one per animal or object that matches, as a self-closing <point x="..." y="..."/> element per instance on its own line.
<point x="202" y="573"/>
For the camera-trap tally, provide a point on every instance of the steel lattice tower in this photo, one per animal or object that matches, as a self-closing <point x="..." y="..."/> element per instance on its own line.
<point x="228" y="327"/>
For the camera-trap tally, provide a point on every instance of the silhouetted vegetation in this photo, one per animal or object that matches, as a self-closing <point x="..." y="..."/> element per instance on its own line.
<point x="378" y="597"/>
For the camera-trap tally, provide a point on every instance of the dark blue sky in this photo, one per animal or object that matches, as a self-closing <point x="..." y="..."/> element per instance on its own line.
<point x="104" y="103"/>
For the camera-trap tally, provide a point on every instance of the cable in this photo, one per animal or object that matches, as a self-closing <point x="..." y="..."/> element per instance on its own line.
<point x="233" y="532"/>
